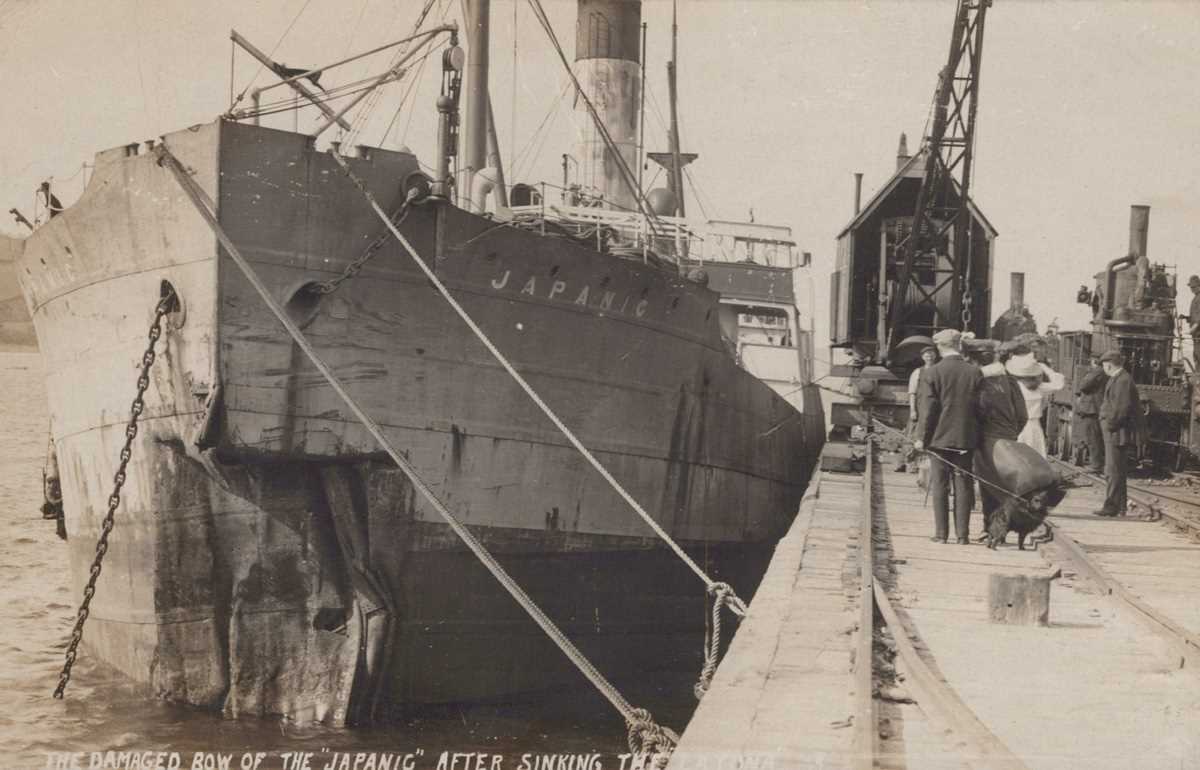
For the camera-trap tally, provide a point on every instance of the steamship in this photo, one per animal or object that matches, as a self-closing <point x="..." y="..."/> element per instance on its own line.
<point x="268" y="558"/>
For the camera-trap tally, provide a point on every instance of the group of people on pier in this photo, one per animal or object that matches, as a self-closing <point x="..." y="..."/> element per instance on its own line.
<point x="959" y="409"/>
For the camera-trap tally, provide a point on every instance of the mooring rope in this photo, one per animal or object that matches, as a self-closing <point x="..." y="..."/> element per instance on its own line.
<point x="650" y="737"/>
<point x="734" y="603"/>
<point x="721" y="593"/>
<point x="944" y="461"/>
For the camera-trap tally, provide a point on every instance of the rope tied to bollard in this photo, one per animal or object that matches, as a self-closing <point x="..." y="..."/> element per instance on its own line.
<point x="650" y="740"/>
<point x="722" y="596"/>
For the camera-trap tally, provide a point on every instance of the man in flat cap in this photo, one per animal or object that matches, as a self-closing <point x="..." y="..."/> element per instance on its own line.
<point x="1119" y="415"/>
<point x="1193" y="318"/>
<point x="947" y="428"/>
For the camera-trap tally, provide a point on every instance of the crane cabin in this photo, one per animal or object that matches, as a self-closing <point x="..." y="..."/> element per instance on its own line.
<point x="883" y="327"/>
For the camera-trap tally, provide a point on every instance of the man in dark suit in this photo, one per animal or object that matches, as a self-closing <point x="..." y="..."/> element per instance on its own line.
<point x="1089" y="395"/>
<point x="947" y="427"/>
<point x="1002" y="416"/>
<point x="1193" y="318"/>
<point x="1119" y="414"/>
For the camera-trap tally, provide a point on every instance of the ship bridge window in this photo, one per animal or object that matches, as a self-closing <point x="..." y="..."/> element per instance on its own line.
<point x="763" y="326"/>
<point x="761" y="251"/>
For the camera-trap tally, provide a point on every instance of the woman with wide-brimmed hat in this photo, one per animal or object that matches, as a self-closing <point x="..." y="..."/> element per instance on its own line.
<point x="1038" y="381"/>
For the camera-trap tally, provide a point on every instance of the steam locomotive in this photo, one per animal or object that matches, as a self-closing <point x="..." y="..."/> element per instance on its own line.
<point x="1134" y="311"/>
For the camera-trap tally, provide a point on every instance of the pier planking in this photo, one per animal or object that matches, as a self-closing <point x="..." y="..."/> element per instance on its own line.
<point x="1094" y="688"/>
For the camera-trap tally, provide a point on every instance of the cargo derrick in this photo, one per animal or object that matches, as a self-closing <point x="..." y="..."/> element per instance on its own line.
<point x="1133" y="311"/>
<point x="918" y="257"/>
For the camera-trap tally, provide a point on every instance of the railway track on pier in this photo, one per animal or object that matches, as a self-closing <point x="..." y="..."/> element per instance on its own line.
<point x="869" y="646"/>
<point x="1185" y="516"/>
<point x="913" y="705"/>
<point x="889" y="647"/>
<point x="1090" y="558"/>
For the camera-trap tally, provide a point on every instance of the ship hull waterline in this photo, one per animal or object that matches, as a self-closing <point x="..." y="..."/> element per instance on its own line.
<point x="268" y="558"/>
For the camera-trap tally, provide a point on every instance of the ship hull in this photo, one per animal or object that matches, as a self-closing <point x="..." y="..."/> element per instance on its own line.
<point x="267" y="558"/>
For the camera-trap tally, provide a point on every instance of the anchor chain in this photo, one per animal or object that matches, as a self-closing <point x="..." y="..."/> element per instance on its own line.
<point x="355" y="267"/>
<point x="165" y="306"/>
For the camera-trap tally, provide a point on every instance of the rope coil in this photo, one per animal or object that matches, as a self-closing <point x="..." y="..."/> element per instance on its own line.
<point x="650" y="742"/>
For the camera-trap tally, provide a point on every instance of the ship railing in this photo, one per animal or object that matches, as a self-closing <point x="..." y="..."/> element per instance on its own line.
<point x="750" y="242"/>
<point x="716" y="241"/>
<point x="631" y="226"/>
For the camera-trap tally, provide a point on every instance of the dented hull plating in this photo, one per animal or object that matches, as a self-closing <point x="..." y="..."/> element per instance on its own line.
<point x="267" y="559"/>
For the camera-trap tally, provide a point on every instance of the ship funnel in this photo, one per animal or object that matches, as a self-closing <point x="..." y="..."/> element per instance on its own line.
<point x="1017" y="291"/>
<point x="857" y="192"/>
<point x="1139" y="230"/>
<point x="608" y="66"/>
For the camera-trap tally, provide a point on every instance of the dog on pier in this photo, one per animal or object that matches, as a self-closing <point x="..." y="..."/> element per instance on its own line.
<point x="1023" y="515"/>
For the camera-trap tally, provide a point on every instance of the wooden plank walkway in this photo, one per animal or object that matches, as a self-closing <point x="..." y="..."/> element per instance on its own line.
<point x="782" y="697"/>
<point x="1156" y="563"/>
<point x="1094" y="689"/>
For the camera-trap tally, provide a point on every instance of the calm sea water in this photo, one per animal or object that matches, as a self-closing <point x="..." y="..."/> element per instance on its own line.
<point x="103" y="712"/>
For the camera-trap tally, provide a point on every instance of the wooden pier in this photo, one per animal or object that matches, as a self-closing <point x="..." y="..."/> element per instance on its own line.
<point x="1109" y="681"/>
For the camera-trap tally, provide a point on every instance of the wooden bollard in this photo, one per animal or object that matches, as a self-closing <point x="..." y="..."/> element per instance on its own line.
<point x="1020" y="599"/>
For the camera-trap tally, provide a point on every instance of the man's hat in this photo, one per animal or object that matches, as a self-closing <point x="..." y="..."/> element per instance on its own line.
<point x="1023" y="366"/>
<point x="1114" y="355"/>
<point x="1194" y="280"/>
<point x="948" y="338"/>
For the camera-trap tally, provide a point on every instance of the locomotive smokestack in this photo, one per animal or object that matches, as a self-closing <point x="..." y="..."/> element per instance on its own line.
<point x="902" y="155"/>
<point x="1139" y="229"/>
<point x="608" y="65"/>
<point x="1017" y="290"/>
<point x="857" y="192"/>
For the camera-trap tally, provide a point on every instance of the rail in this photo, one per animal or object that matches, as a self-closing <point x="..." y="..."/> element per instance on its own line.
<point x="866" y="726"/>
<point x="1186" y="642"/>
<point x="933" y="695"/>
<point x="1135" y="492"/>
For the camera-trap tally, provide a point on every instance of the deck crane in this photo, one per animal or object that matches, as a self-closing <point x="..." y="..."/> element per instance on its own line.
<point x="939" y="241"/>
<point x="918" y="257"/>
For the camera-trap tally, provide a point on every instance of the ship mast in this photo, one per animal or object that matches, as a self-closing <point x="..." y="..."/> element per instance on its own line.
<point x="672" y="70"/>
<point x="473" y="149"/>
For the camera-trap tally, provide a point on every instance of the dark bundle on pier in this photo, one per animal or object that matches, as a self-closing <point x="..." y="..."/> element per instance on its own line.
<point x="1033" y="488"/>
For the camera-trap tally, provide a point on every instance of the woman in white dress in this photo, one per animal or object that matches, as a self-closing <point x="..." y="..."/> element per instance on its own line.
<point x="1038" y="381"/>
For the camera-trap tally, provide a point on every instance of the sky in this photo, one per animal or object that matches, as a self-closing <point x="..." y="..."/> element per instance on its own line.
<point x="1085" y="108"/>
